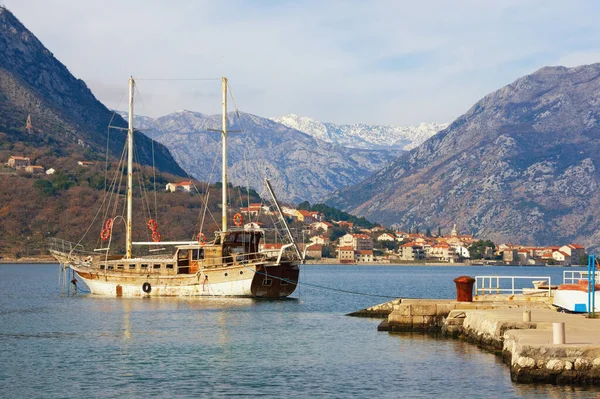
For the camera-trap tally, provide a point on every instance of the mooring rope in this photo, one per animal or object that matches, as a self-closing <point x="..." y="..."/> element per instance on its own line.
<point x="297" y="283"/>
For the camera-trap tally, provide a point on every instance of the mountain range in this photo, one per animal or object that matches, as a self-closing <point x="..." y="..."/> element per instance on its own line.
<point x="522" y="166"/>
<point x="300" y="167"/>
<point x="372" y="137"/>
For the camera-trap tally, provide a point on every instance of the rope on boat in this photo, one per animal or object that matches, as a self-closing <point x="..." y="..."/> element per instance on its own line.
<point x="297" y="283"/>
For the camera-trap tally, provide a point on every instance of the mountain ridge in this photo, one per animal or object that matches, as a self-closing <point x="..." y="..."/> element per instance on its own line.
<point x="33" y="82"/>
<point x="519" y="165"/>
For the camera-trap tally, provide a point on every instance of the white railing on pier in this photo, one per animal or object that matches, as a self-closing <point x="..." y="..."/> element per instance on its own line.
<point x="511" y="285"/>
<point x="574" y="276"/>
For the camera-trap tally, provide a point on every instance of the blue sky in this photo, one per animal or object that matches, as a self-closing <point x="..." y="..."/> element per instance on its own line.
<point x="376" y="62"/>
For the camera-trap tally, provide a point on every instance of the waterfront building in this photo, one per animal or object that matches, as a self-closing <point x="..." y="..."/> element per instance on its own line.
<point x="346" y="254"/>
<point x="575" y="251"/>
<point x="411" y="251"/>
<point x="363" y="256"/>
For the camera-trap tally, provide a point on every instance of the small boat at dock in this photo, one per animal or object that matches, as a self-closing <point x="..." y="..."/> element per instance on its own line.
<point x="575" y="297"/>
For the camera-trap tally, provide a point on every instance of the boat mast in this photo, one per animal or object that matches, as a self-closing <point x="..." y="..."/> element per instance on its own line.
<point x="129" y="169"/>
<point x="224" y="143"/>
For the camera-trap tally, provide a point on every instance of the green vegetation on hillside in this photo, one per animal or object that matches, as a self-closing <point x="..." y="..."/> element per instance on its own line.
<point x="64" y="205"/>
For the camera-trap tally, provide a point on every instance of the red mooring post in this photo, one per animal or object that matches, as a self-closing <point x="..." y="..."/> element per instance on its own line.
<point x="464" y="288"/>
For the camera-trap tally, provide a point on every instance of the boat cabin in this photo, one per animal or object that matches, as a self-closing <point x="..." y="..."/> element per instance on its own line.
<point x="230" y="248"/>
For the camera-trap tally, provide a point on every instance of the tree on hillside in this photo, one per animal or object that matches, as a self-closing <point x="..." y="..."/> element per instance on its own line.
<point x="336" y="232"/>
<point x="478" y="249"/>
<point x="304" y="206"/>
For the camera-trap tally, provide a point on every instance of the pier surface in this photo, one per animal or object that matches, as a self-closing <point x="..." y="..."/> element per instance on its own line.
<point x="497" y="324"/>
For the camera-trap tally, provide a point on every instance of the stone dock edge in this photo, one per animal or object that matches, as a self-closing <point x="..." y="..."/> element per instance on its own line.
<point x="517" y="328"/>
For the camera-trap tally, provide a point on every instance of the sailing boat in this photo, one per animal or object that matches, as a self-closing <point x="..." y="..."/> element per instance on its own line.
<point x="229" y="265"/>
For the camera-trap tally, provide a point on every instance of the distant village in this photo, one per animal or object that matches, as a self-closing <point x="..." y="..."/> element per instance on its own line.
<point x="19" y="163"/>
<point x="343" y="242"/>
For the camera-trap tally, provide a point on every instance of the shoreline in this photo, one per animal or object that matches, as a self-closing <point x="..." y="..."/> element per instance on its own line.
<point x="49" y="260"/>
<point x="33" y="260"/>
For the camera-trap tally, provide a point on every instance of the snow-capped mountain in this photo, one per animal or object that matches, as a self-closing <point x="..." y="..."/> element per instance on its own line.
<point x="370" y="137"/>
<point x="301" y="167"/>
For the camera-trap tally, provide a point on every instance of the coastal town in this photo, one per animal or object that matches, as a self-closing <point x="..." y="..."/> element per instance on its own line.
<point x="346" y="243"/>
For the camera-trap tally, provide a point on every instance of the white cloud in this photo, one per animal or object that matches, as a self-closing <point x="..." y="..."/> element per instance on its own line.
<point x="341" y="61"/>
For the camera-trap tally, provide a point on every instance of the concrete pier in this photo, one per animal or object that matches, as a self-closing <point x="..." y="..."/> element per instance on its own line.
<point x="518" y="329"/>
<point x="528" y="348"/>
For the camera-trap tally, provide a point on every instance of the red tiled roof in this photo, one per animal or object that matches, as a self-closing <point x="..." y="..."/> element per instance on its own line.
<point x="576" y="246"/>
<point x="345" y="249"/>
<point x="361" y="236"/>
<point x="364" y="252"/>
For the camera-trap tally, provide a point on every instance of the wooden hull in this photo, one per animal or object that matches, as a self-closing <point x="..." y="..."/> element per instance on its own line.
<point x="275" y="281"/>
<point x="261" y="281"/>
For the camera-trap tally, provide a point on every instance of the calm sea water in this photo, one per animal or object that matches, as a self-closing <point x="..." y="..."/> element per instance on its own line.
<point x="52" y="346"/>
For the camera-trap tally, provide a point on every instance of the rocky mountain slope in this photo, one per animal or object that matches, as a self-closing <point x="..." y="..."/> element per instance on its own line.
<point x="521" y="166"/>
<point x="363" y="136"/>
<point x="66" y="117"/>
<point x="300" y="167"/>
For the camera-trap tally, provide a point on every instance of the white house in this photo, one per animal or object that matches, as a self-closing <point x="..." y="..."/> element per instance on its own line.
<point x="321" y="225"/>
<point x="365" y="255"/>
<point x="270" y="250"/>
<point x="251" y="210"/>
<point x="411" y="251"/>
<point x="356" y="241"/>
<point x="18" y="162"/>
<point x="462" y="252"/>
<point x="575" y="251"/>
<point x="320" y="239"/>
<point x="181" y="186"/>
<point x="562" y="257"/>
<point x="386" y="237"/>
